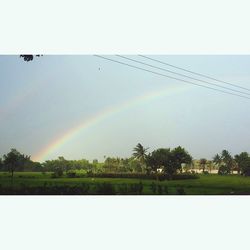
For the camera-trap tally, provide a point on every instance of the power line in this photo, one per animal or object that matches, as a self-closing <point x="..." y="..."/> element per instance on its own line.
<point x="192" y="72"/>
<point x="174" y="78"/>
<point x="179" y="74"/>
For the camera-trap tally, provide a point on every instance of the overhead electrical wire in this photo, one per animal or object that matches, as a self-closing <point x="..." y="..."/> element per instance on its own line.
<point x="179" y="74"/>
<point x="170" y="77"/>
<point x="195" y="73"/>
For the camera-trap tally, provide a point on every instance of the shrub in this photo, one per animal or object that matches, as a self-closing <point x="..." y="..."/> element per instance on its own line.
<point x="180" y="191"/>
<point x="206" y="172"/>
<point x="224" y="170"/>
<point x="71" y="174"/>
<point x="136" y="188"/>
<point x="159" y="189"/>
<point x="58" y="172"/>
<point x="161" y="177"/>
<point x="53" y="175"/>
<point x="104" y="188"/>
<point x="144" y="176"/>
<point x="153" y="187"/>
<point x="122" y="188"/>
<point x="76" y="173"/>
<point x="165" y="189"/>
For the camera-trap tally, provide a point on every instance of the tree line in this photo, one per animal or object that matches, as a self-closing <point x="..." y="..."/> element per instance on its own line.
<point x="163" y="160"/>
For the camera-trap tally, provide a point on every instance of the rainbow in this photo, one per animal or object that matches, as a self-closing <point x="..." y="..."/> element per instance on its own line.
<point x="102" y="115"/>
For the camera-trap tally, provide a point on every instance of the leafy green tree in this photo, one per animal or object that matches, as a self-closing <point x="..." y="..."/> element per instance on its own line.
<point x="180" y="156"/>
<point x="135" y="165"/>
<point x="36" y="166"/>
<point x="169" y="160"/>
<point x="1" y="164"/>
<point x="241" y="161"/>
<point x="111" y="164"/>
<point x="14" y="161"/>
<point x="28" y="58"/>
<point x="95" y="161"/>
<point x="159" y="159"/>
<point x="245" y="167"/>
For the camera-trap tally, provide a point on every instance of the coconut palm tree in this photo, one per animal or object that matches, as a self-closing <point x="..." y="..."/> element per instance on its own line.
<point x="217" y="160"/>
<point x="227" y="159"/>
<point x="225" y="155"/>
<point x="140" y="153"/>
<point x="203" y="163"/>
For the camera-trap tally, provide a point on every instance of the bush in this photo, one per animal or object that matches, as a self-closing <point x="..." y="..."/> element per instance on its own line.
<point x="47" y="189"/>
<point x="58" y="172"/>
<point x="185" y="176"/>
<point x="53" y="175"/>
<point x="206" y="172"/>
<point x="136" y="188"/>
<point x="159" y="189"/>
<point x="166" y="189"/>
<point x="122" y="188"/>
<point x="223" y="170"/>
<point x="71" y="174"/>
<point x="180" y="191"/>
<point x="144" y="176"/>
<point x="153" y="187"/>
<point x="104" y="188"/>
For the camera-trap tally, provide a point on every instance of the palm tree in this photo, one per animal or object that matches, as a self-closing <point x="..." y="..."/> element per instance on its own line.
<point x="227" y="159"/>
<point x="140" y="153"/>
<point x="225" y="155"/>
<point x="203" y="162"/>
<point x="217" y="160"/>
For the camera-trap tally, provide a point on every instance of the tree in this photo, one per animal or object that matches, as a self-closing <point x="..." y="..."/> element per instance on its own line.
<point x="225" y="162"/>
<point x="245" y="167"/>
<point x="134" y="165"/>
<point x="1" y="164"/>
<point x="28" y="58"/>
<point x="140" y="153"/>
<point x="169" y="160"/>
<point x="241" y="161"/>
<point x="158" y="159"/>
<point x="95" y="161"/>
<point x="14" y="160"/>
<point x="210" y="165"/>
<point x="203" y="162"/>
<point x="217" y="160"/>
<point x="180" y="156"/>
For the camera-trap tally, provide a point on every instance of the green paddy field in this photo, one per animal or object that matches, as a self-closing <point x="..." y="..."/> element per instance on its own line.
<point x="205" y="185"/>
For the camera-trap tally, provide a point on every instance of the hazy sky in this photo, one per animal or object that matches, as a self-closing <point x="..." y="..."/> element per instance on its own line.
<point x="42" y="100"/>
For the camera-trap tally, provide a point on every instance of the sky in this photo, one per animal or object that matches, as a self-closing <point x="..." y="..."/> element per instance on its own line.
<point x="87" y="107"/>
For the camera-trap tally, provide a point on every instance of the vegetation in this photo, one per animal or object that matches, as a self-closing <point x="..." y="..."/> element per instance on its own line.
<point x="163" y="171"/>
<point x="15" y="161"/>
<point x="38" y="183"/>
<point x="28" y="58"/>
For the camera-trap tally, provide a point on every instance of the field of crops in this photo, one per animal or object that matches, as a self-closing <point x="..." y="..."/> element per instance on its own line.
<point x="38" y="183"/>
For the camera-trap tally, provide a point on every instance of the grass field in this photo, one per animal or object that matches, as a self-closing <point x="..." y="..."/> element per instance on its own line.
<point x="205" y="185"/>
